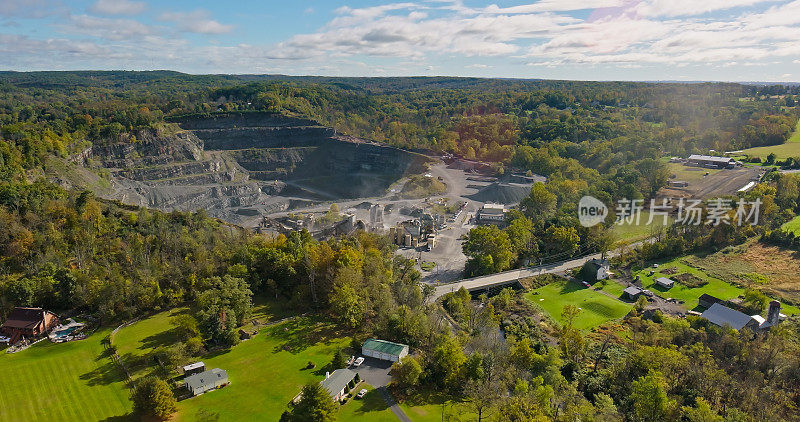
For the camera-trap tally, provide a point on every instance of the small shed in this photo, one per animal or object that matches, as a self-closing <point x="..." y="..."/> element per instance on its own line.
<point x="632" y="292"/>
<point x="194" y="368"/>
<point x="706" y="300"/>
<point x="664" y="282"/>
<point x="205" y="381"/>
<point x="384" y="350"/>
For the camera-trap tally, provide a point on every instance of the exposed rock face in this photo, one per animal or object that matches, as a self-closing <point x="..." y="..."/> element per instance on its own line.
<point x="237" y="166"/>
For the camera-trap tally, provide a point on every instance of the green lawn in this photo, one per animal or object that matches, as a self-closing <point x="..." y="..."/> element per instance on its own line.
<point x="792" y="225"/>
<point x="266" y="372"/>
<point x="715" y="287"/>
<point x="429" y="408"/>
<point x="790" y="148"/>
<point x="371" y="408"/>
<point x="688" y="173"/>
<point x="629" y="233"/>
<point x="143" y="336"/>
<point x="72" y="381"/>
<point x="596" y="308"/>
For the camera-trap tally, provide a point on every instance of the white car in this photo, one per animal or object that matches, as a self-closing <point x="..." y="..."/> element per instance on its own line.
<point x="362" y="393"/>
<point x="358" y="362"/>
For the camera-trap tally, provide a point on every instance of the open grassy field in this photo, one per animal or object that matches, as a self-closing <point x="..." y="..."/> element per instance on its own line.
<point x="689" y="174"/>
<point x="772" y="269"/>
<point x="629" y="233"/>
<point x="371" y="408"/>
<point x="674" y="267"/>
<point x="266" y="371"/>
<point x="72" y="381"/>
<point x="792" y="226"/>
<point x="790" y="148"/>
<point x="432" y="406"/>
<point x="596" y="308"/>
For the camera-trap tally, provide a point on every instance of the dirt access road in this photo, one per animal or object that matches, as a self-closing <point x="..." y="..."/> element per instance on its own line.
<point x="722" y="183"/>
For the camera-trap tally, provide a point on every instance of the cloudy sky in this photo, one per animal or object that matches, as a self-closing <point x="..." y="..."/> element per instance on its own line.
<point x="731" y="40"/>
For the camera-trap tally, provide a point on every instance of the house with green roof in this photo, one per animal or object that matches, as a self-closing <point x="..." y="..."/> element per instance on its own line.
<point x="384" y="350"/>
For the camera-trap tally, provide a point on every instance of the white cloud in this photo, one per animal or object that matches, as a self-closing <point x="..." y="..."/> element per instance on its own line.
<point x="689" y="7"/>
<point x="109" y="29"/>
<point x="118" y="7"/>
<point x="31" y="9"/>
<point x="198" y="21"/>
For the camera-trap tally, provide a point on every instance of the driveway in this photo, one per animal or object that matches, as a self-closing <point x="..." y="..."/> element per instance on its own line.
<point x="375" y="372"/>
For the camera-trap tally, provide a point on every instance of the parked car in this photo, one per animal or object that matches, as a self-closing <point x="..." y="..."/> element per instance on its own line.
<point x="351" y="360"/>
<point x="586" y="284"/>
<point x="358" y="361"/>
<point x="362" y="393"/>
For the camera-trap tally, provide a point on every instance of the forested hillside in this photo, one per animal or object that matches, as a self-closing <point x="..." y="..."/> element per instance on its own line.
<point x="75" y="253"/>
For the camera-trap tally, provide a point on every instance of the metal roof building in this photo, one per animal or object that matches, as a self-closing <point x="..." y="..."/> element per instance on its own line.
<point x="710" y="160"/>
<point x="664" y="282"/>
<point x="632" y="292"/>
<point x="384" y="350"/>
<point x="724" y="316"/>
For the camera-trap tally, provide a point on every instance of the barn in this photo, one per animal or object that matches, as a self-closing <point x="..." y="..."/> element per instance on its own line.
<point x="384" y="350"/>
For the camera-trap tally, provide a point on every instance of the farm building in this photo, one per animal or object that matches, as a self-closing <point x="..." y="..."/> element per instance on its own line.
<point x="194" y="368"/>
<point x="632" y="292"/>
<point x="384" y="350"/>
<point x="710" y="161"/>
<point x="706" y="300"/>
<point x="665" y="282"/>
<point x="678" y="183"/>
<point x="595" y="270"/>
<point x="336" y="384"/>
<point x="723" y="316"/>
<point x="28" y="322"/>
<point x="206" y="381"/>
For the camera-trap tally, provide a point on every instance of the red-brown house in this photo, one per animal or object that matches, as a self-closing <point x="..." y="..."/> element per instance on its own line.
<point x="28" y="322"/>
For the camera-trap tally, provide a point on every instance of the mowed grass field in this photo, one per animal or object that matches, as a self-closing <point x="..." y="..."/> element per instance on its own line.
<point x="688" y="173"/>
<point x="72" y="381"/>
<point x="715" y="287"/>
<point x="790" y="148"/>
<point x="596" y="308"/>
<point x="630" y="233"/>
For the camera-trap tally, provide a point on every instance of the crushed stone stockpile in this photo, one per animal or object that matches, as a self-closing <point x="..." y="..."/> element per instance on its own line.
<point x="502" y="193"/>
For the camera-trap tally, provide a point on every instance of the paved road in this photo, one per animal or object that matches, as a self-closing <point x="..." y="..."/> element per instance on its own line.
<point x="510" y="277"/>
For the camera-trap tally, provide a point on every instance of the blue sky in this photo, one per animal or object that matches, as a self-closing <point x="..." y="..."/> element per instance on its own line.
<point x="730" y="40"/>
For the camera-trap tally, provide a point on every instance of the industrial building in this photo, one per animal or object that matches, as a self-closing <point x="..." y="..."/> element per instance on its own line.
<point x="710" y="161"/>
<point x="491" y="214"/>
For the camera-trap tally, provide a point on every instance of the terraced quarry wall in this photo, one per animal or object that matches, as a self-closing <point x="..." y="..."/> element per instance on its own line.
<point x="304" y="155"/>
<point x="237" y="166"/>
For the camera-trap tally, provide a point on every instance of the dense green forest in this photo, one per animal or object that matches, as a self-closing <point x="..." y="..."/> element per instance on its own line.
<point x="72" y="252"/>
